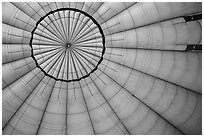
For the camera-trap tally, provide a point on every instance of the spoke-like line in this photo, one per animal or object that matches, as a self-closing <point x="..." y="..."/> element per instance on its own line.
<point x="88" y="26"/>
<point x="76" y="25"/>
<point x="82" y="58"/>
<point x="149" y="48"/>
<point x="51" y="55"/>
<point x="106" y="101"/>
<point x="40" y="16"/>
<point x="60" y="18"/>
<point x="48" y="45"/>
<point x="67" y="59"/>
<point x="66" y="117"/>
<point x="43" y="48"/>
<point x="25" y="22"/>
<point x="49" y="25"/>
<point x="69" y="106"/>
<point x="87" y="55"/>
<point x="92" y="42"/>
<point x="73" y="25"/>
<point x="55" y="24"/>
<point x="88" y="46"/>
<point x="6" y="23"/>
<point x="31" y="69"/>
<point x="81" y="31"/>
<point x="86" y="37"/>
<point x="145" y="25"/>
<point x="33" y="9"/>
<point x="118" y="13"/>
<point x="64" y="64"/>
<point x="69" y="16"/>
<point x="23" y="102"/>
<point x="38" y="40"/>
<point x="48" y="60"/>
<point x="98" y="8"/>
<point x="78" y="29"/>
<point x="86" y="59"/>
<point x="84" y="32"/>
<point x="79" y="26"/>
<point x="141" y="72"/>
<point x="45" y="51"/>
<point x="71" y="66"/>
<point x="73" y="20"/>
<point x="152" y="75"/>
<point x="111" y="106"/>
<point x="28" y="104"/>
<point x="62" y="61"/>
<point x="10" y="34"/>
<point x="57" y="57"/>
<point x="142" y="102"/>
<point x="90" y="39"/>
<point x="95" y="61"/>
<point x="51" y="59"/>
<point x="54" y="67"/>
<point x="94" y="50"/>
<point x="98" y="51"/>
<point x="88" y="52"/>
<point x="23" y="11"/>
<point x="38" y="129"/>
<point x="74" y="65"/>
<point x="104" y="98"/>
<point x="50" y="37"/>
<point x="87" y="109"/>
<point x="50" y="28"/>
<point x="77" y="64"/>
<point x="59" y="30"/>
<point x="65" y="24"/>
<point x="80" y="61"/>
<point x="54" y="62"/>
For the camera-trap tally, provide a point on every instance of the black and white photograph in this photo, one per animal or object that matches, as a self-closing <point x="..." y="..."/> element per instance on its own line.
<point x="101" y="68"/>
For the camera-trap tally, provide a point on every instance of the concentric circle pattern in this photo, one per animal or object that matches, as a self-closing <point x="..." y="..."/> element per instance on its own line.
<point x="96" y="68"/>
<point x="67" y="44"/>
